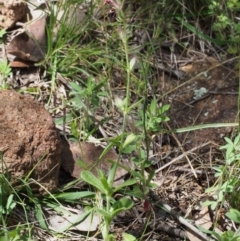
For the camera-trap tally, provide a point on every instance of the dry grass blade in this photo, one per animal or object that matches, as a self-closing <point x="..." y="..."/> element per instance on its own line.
<point x="182" y="156"/>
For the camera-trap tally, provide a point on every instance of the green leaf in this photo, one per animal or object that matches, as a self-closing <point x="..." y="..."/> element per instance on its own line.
<point x="102" y="94"/>
<point x="12" y="235"/>
<point x="208" y="203"/>
<point x="74" y="129"/>
<point x="153" y="106"/>
<point x="130" y="138"/>
<point x="76" y="101"/>
<point x="106" y="185"/>
<point x="82" y="164"/>
<point x="73" y="196"/>
<point x="76" y="87"/>
<point x="91" y="179"/>
<point x="204" y="126"/>
<point x="10" y="204"/>
<point x="129" y="182"/>
<point x="2" y="32"/>
<point x="40" y="217"/>
<point x="111" y="173"/>
<point x="236" y="140"/>
<point x="132" y="63"/>
<point x="128" y="237"/>
<point x="129" y="149"/>
<point x="165" y="108"/>
<point x="121" y="205"/>
<point x="200" y="34"/>
<point x="228" y="236"/>
<point x="104" y="214"/>
<point x="229" y="141"/>
<point x="234" y="215"/>
<point x="150" y="176"/>
<point x="1" y="200"/>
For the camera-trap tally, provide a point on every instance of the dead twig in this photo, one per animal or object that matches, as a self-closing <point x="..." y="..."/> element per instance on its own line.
<point x="181" y="156"/>
<point x="180" y="146"/>
<point x="179" y="218"/>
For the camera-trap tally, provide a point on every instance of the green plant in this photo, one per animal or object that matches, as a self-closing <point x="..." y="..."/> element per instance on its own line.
<point x="87" y="97"/>
<point x="106" y="192"/>
<point x="227" y="185"/>
<point x="154" y="117"/>
<point x="66" y="55"/>
<point x="16" y="234"/>
<point x="10" y="202"/>
<point x="7" y="202"/>
<point x="227" y="25"/>
<point x="2" y="33"/>
<point x="5" y="71"/>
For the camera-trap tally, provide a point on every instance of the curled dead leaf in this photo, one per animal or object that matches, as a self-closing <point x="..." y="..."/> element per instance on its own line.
<point x="31" y="44"/>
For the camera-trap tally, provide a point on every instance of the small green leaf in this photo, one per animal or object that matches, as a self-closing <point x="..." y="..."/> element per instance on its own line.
<point x="121" y="205"/>
<point x="132" y="63"/>
<point x="150" y="176"/>
<point x="234" y="215"/>
<point x="129" y="182"/>
<point x="229" y="141"/>
<point x="153" y="106"/>
<point x="2" y="32"/>
<point x="73" y="196"/>
<point x="236" y="140"/>
<point x="10" y="204"/>
<point x="165" y="108"/>
<point x="82" y="164"/>
<point x="208" y="203"/>
<point x="106" y="185"/>
<point x="76" y="87"/>
<point x="129" y="149"/>
<point x="130" y="138"/>
<point x="40" y="217"/>
<point x="128" y="237"/>
<point x="104" y="214"/>
<point x="111" y="173"/>
<point x="88" y="177"/>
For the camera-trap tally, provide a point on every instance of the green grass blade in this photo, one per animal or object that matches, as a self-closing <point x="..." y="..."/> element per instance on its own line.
<point x="201" y="35"/>
<point x="204" y="126"/>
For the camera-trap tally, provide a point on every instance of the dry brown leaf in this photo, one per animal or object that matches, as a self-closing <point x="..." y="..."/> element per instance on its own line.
<point x="31" y="44"/>
<point x="68" y="221"/>
<point x="202" y="219"/>
<point x="89" y="154"/>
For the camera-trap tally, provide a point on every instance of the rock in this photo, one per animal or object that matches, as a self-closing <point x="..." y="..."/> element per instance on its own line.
<point x="12" y="11"/>
<point x="77" y="157"/>
<point x="29" y="140"/>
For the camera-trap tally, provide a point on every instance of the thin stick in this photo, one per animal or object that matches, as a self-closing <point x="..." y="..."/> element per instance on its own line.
<point x="180" y="219"/>
<point x="181" y="156"/>
<point x="180" y="146"/>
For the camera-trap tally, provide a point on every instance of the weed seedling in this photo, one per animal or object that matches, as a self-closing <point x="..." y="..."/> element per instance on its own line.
<point x="227" y="185"/>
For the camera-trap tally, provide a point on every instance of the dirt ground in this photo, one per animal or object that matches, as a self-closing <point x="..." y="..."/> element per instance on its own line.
<point x="218" y="102"/>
